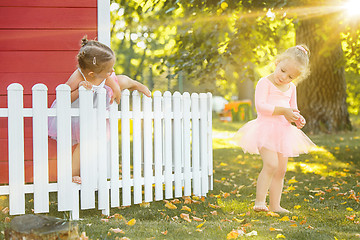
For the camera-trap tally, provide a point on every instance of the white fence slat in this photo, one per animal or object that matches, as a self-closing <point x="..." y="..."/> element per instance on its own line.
<point x="168" y="145"/>
<point x="203" y="144"/>
<point x="176" y="148"/>
<point x="114" y="155"/>
<point x="64" y="151"/>
<point x="195" y="144"/>
<point x="177" y="144"/>
<point x="125" y="148"/>
<point x="86" y="148"/>
<point x="40" y="148"/>
<point x="186" y="144"/>
<point x="158" y="146"/>
<point x="148" y="149"/>
<point x="210" y="147"/>
<point x="103" y="191"/>
<point x="16" y="149"/>
<point x="137" y="142"/>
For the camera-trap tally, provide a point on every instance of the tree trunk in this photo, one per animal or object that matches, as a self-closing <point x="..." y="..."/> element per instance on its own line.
<point x="322" y="96"/>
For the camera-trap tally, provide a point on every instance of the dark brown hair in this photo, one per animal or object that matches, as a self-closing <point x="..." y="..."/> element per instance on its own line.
<point x="93" y="54"/>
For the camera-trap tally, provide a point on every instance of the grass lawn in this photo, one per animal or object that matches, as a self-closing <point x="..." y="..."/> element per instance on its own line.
<point x="322" y="189"/>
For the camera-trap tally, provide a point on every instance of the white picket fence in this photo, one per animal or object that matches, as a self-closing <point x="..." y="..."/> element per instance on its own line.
<point x="172" y="146"/>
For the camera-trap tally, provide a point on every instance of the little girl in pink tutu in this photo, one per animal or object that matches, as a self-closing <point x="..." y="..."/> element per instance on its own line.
<point x="95" y="71"/>
<point x="271" y="134"/>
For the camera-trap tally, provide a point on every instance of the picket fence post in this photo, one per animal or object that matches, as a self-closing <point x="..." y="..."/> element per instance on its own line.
<point x="125" y="148"/>
<point x="137" y="147"/>
<point x="66" y="201"/>
<point x="16" y="149"/>
<point x="171" y="148"/>
<point x="158" y="146"/>
<point x="40" y="148"/>
<point x="195" y="144"/>
<point x="148" y="148"/>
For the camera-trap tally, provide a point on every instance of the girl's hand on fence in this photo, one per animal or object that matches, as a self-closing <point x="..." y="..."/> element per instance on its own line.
<point x="116" y="95"/>
<point x="141" y="88"/>
<point x="86" y="85"/>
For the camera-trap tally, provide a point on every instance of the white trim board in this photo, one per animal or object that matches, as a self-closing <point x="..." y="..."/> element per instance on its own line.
<point x="103" y="11"/>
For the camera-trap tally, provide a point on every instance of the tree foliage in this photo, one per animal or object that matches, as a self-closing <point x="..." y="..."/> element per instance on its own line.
<point x="216" y="44"/>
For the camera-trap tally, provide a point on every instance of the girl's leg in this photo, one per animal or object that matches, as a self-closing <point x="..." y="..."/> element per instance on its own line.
<point x="270" y="165"/>
<point x="76" y="165"/>
<point x="276" y="186"/>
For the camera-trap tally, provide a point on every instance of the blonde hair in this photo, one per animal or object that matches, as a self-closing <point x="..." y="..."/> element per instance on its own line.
<point x="93" y="55"/>
<point x="301" y="54"/>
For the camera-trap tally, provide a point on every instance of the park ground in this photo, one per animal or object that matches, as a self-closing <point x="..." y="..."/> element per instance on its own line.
<point x="322" y="190"/>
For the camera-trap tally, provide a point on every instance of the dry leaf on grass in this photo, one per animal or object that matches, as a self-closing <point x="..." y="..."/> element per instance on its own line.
<point x="131" y="222"/>
<point x="169" y="205"/>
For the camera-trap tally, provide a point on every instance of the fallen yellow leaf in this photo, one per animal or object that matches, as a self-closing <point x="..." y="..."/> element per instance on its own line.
<point x="213" y="206"/>
<point x="232" y="235"/>
<point x="293" y="225"/>
<point x="175" y="201"/>
<point x="297" y="206"/>
<point x="197" y="219"/>
<point x="292" y="181"/>
<point x="164" y="233"/>
<point x="131" y="222"/>
<point x="291" y="188"/>
<point x="285" y="219"/>
<point x="145" y="205"/>
<point x="303" y="222"/>
<point x="201" y="224"/>
<point x="349" y="209"/>
<point x="186" y="208"/>
<point x="275" y="229"/>
<point x="169" y="205"/>
<point x="117" y="230"/>
<point x="273" y="214"/>
<point x="238" y="220"/>
<point x="280" y="236"/>
<point x="185" y="217"/>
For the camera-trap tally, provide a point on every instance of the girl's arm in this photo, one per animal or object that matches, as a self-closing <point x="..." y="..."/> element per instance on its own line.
<point x="261" y="99"/>
<point x="120" y="82"/>
<point x="114" y="85"/>
<point x="74" y="82"/>
<point x="127" y="83"/>
<point x="292" y="113"/>
<point x="263" y="107"/>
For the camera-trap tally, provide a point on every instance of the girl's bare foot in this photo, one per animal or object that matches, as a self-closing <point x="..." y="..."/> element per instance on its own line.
<point x="279" y="210"/>
<point x="76" y="179"/>
<point x="260" y="207"/>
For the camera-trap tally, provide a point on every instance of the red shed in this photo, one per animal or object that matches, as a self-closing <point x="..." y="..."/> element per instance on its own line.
<point x="39" y="40"/>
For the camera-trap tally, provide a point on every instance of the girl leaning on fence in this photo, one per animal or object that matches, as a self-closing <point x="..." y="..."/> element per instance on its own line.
<point x="95" y="71"/>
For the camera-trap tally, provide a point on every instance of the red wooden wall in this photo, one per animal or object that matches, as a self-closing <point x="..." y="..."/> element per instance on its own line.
<point x="39" y="40"/>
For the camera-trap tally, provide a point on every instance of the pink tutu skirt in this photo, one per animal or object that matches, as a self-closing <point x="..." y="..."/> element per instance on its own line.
<point x="274" y="134"/>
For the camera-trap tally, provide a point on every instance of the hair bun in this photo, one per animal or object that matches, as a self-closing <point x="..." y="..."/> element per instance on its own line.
<point x="84" y="41"/>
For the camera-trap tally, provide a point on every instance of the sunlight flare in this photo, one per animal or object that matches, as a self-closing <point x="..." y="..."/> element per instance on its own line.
<point x="353" y="7"/>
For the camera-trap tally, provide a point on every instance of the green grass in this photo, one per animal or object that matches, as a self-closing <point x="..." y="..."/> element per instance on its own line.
<point x="324" y="199"/>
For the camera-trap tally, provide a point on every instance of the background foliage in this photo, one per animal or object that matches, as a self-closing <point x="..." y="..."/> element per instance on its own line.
<point x="213" y="45"/>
